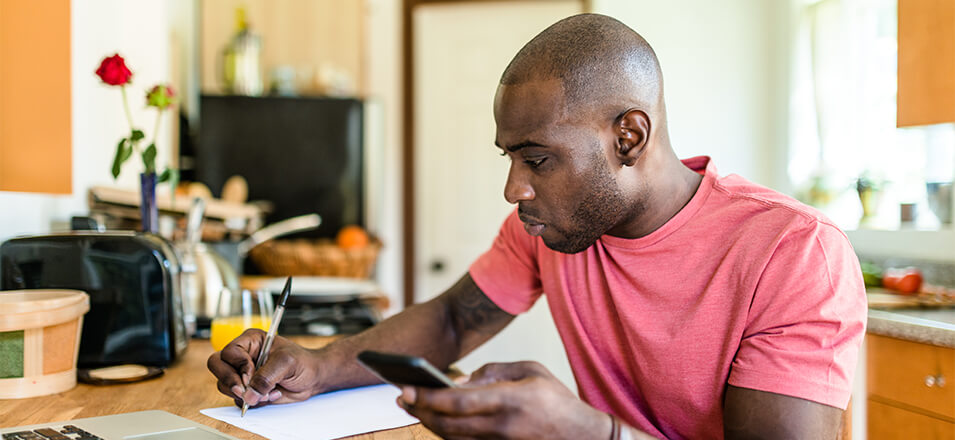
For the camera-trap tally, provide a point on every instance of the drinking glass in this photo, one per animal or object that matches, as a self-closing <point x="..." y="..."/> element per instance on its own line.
<point x="238" y="310"/>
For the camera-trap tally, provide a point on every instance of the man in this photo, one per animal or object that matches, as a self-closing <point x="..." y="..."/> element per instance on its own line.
<point x="690" y="305"/>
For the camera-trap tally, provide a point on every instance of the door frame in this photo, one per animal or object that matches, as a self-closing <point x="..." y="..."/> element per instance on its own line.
<point x="408" y="152"/>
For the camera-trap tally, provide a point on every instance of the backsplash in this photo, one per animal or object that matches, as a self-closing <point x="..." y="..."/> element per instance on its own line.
<point x="933" y="272"/>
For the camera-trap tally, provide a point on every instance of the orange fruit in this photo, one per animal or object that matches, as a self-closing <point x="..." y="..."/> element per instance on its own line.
<point x="352" y="237"/>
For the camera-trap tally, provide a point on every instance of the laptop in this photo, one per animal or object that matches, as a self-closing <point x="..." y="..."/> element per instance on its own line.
<point x="142" y="425"/>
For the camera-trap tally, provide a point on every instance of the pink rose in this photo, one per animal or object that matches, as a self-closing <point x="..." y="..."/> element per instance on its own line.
<point x="113" y="71"/>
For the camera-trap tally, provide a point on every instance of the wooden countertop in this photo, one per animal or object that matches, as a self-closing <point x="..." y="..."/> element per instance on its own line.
<point x="185" y="388"/>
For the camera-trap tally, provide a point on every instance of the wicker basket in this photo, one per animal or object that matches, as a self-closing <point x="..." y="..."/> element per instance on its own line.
<point x="315" y="257"/>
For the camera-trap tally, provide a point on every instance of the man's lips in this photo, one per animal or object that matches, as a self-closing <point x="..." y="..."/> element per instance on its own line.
<point x="534" y="230"/>
<point x="533" y="226"/>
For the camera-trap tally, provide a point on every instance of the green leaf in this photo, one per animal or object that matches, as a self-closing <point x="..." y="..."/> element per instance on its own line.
<point x="119" y="158"/>
<point x="149" y="158"/>
<point x="172" y="175"/>
<point x="136" y="135"/>
<point x="173" y="181"/>
<point x="127" y="151"/>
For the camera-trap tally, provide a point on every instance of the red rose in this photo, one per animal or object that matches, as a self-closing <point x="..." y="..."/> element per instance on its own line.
<point x="113" y="71"/>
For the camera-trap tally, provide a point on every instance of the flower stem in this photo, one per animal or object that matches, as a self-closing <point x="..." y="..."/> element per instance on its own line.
<point x="156" y="128"/>
<point x="129" y="116"/>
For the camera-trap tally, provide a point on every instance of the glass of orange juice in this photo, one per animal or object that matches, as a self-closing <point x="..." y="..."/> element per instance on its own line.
<point x="239" y="310"/>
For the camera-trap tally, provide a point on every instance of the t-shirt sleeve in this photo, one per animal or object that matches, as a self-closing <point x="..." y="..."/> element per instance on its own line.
<point x="508" y="272"/>
<point x="807" y="320"/>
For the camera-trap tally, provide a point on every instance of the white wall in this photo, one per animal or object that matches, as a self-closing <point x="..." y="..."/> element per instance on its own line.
<point x="138" y="30"/>
<point x="724" y="77"/>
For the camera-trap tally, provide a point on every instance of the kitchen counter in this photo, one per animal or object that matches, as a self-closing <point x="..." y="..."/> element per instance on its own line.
<point x="928" y="326"/>
<point x="185" y="388"/>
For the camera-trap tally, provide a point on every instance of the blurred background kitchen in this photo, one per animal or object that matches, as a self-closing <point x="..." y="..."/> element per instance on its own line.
<point x="377" y="113"/>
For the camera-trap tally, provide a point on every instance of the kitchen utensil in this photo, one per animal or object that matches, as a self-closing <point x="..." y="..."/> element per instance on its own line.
<point x="206" y="272"/>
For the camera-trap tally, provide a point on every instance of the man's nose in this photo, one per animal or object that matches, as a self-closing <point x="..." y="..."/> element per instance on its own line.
<point x="517" y="189"/>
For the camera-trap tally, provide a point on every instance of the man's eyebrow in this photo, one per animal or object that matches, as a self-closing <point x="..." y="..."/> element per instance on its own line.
<point x="525" y="144"/>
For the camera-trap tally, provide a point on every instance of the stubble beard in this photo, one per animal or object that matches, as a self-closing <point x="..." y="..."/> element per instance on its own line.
<point x="596" y="213"/>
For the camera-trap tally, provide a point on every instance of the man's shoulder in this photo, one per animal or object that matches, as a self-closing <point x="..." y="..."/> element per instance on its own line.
<point x="759" y="205"/>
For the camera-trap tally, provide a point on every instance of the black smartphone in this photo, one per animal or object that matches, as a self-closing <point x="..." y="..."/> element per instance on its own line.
<point x="399" y="369"/>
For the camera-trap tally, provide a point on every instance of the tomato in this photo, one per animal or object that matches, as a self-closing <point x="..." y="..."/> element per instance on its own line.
<point x="906" y="281"/>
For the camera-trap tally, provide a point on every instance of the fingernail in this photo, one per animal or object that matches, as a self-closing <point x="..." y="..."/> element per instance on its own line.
<point x="245" y="379"/>
<point x="237" y="390"/>
<point x="408" y="395"/>
<point x="251" y="397"/>
<point x="460" y="380"/>
<point x="275" y="395"/>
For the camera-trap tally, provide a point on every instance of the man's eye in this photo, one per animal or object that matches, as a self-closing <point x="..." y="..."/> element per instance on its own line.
<point x="534" y="163"/>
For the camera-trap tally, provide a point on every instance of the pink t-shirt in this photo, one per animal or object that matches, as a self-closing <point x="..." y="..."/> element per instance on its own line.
<point x="743" y="286"/>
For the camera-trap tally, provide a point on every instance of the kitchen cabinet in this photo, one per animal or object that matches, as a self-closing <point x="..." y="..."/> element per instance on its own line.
<point x="911" y="389"/>
<point x="926" y="63"/>
<point x="35" y="108"/>
<point x="308" y="36"/>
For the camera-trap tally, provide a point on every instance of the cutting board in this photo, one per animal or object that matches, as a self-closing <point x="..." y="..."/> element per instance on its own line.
<point x="884" y="299"/>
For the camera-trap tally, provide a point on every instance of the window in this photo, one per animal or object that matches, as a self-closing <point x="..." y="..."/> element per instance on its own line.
<point x="843" y="116"/>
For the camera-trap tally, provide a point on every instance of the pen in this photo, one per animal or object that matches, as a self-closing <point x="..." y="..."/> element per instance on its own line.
<point x="273" y="329"/>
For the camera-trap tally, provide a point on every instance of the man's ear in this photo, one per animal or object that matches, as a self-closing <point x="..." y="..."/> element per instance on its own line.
<point x="632" y="130"/>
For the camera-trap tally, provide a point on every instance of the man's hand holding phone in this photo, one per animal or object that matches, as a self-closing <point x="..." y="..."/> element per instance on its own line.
<point x="494" y="395"/>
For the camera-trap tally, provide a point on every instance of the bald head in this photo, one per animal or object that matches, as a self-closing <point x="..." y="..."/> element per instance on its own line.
<point x="602" y="64"/>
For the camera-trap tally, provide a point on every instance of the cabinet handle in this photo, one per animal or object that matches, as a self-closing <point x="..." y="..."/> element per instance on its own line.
<point x="931" y="381"/>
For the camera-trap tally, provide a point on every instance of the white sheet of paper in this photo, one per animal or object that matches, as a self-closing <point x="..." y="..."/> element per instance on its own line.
<point x="326" y="416"/>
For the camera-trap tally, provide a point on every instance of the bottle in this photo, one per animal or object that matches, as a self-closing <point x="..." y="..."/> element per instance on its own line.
<point x="242" y="60"/>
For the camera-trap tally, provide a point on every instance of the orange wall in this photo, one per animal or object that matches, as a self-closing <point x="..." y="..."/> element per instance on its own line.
<point x="35" y="127"/>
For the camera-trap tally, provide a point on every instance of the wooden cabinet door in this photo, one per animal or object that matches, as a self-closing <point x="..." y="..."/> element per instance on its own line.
<point x="926" y="66"/>
<point x="917" y="375"/>
<point x="887" y="422"/>
<point x="35" y="104"/>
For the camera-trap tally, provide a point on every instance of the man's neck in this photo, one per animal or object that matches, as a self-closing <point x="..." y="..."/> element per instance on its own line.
<point x="669" y="193"/>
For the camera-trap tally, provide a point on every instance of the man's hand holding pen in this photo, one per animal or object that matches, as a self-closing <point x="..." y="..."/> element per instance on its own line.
<point x="288" y="376"/>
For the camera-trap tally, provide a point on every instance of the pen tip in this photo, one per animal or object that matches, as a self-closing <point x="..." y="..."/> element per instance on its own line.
<point x="245" y="407"/>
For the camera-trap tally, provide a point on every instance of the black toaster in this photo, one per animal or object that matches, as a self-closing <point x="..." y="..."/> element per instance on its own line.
<point x="133" y="283"/>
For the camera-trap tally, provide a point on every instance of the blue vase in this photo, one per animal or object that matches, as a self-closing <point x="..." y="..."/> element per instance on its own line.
<point x="149" y="212"/>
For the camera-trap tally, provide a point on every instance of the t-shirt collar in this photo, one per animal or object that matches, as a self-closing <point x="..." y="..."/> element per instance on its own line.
<point x="700" y="164"/>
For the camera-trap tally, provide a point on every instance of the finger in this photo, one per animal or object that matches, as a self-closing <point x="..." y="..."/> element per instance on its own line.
<point x="235" y="391"/>
<point x="460" y="401"/>
<point x="227" y="376"/>
<point x="494" y="372"/>
<point x="507" y="372"/>
<point x="452" y="427"/>
<point x="287" y="396"/>
<point x="242" y="352"/>
<point x="267" y="377"/>
<point x="408" y="395"/>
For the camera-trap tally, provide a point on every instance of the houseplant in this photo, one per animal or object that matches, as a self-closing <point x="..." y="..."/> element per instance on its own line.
<point x="113" y="72"/>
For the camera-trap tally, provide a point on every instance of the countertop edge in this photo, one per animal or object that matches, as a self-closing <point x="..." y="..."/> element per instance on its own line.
<point x="896" y="325"/>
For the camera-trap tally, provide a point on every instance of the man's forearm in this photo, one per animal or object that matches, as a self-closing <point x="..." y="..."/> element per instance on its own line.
<point x="441" y="330"/>
<point x="422" y="330"/>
